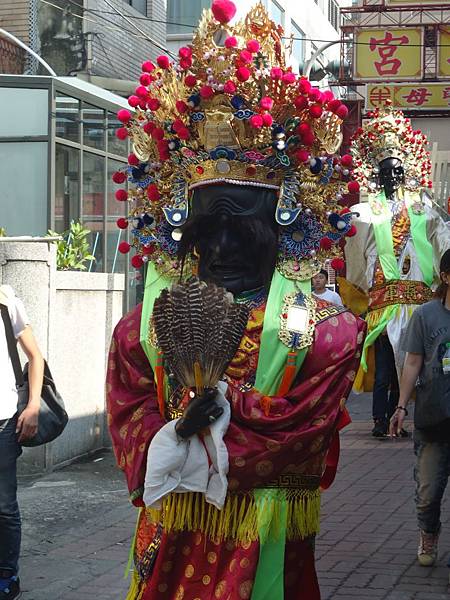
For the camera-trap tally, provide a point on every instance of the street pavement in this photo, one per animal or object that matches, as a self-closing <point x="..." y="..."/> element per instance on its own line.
<point x="78" y="525"/>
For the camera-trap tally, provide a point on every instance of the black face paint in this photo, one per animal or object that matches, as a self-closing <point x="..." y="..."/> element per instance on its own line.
<point x="233" y="230"/>
<point x="392" y="175"/>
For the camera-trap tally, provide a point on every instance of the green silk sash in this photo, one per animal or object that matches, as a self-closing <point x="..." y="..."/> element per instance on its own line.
<point x="389" y="264"/>
<point x="269" y="577"/>
<point x="273" y="353"/>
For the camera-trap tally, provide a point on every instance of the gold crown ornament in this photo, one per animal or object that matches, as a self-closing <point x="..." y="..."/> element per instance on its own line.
<point x="231" y="111"/>
<point x="389" y="134"/>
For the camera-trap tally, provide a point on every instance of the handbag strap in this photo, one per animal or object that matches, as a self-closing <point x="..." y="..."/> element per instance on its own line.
<point x="12" y="345"/>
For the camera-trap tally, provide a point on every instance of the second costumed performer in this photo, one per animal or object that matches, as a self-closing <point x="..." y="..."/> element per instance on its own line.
<point x="236" y="182"/>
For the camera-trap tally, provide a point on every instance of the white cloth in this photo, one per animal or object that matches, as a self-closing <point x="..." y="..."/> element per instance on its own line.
<point x="19" y="320"/>
<point x="329" y="296"/>
<point x="175" y="465"/>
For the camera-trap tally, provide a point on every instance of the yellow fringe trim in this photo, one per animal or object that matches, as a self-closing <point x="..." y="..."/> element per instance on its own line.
<point x="133" y="591"/>
<point x="240" y="516"/>
<point x="373" y="318"/>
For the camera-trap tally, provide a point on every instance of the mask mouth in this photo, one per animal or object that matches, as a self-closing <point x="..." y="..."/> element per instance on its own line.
<point x="226" y="269"/>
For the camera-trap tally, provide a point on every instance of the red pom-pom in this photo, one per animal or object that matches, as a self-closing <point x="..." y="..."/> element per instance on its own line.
<point x="143" y="103"/>
<point x="148" y="249"/>
<point x="185" y="52"/>
<point x="243" y="74"/>
<point x="351" y="232"/>
<point x="153" y="192"/>
<point x="141" y="91"/>
<point x="184" y="133"/>
<point x="231" y="42"/>
<point x="229" y="87"/>
<point x="302" y="156"/>
<point x="342" y="111"/>
<point x="256" y="121"/>
<point x="301" y="102"/>
<point x="137" y="261"/>
<point x="124" y="247"/>
<point x="182" y="107"/>
<point x="326" y="243"/>
<point x="308" y="138"/>
<point x="253" y="45"/>
<point x="153" y="104"/>
<point x="266" y="103"/>
<point x="267" y="120"/>
<point x="316" y="111"/>
<point x="327" y="95"/>
<point x="206" y="92"/>
<point x="121" y="195"/>
<point x="148" y="66"/>
<point x="333" y="105"/>
<point x="122" y="223"/>
<point x="122" y="133"/>
<point x="133" y="160"/>
<point x="185" y="63"/>
<point x="145" y="79"/>
<point x="162" y="145"/>
<point x="289" y="77"/>
<point x="315" y="94"/>
<point x="133" y="101"/>
<point x="157" y="133"/>
<point x="276" y="73"/>
<point x="304" y="85"/>
<point x="353" y="187"/>
<point x="246" y="57"/>
<point x="346" y="160"/>
<point x="149" y="127"/>
<point x="177" y="125"/>
<point x="119" y="177"/>
<point x="337" y="264"/>
<point x="304" y="128"/>
<point x="223" y="10"/>
<point x="190" y="80"/>
<point x="163" y="61"/>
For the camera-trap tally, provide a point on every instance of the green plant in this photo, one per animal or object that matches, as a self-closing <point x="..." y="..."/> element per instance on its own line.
<point x="3" y="232"/>
<point x="72" y="251"/>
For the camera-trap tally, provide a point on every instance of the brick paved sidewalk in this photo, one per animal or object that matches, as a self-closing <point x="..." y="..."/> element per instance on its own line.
<point x="78" y="526"/>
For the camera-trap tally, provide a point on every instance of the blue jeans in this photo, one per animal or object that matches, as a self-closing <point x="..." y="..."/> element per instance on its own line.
<point x="385" y="387"/>
<point x="10" y="524"/>
<point x="431" y="473"/>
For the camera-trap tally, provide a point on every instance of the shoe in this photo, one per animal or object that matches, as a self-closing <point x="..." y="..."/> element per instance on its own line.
<point x="10" y="589"/>
<point x="428" y="548"/>
<point x="404" y="433"/>
<point x="380" y="428"/>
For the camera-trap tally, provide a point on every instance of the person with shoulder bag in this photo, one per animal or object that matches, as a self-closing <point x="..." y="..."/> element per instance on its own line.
<point x="427" y="367"/>
<point x="14" y="429"/>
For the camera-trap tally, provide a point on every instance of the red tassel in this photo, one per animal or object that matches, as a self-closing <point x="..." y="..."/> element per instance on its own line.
<point x="289" y="374"/>
<point x="266" y="403"/>
<point x="159" y="374"/>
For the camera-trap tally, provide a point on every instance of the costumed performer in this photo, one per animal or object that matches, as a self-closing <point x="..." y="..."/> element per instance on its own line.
<point x="235" y="178"/>
<point x="393" y="259"/>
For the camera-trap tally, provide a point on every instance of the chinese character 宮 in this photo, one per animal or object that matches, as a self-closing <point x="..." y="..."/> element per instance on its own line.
<point x="388" y="65"/>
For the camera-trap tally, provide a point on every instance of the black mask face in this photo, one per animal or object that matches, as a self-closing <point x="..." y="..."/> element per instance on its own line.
<point x="233" y="230"/>
<point x="391" y="175"/>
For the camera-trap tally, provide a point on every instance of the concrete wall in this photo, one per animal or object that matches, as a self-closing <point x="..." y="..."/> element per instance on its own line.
<point x="72" y="315"/>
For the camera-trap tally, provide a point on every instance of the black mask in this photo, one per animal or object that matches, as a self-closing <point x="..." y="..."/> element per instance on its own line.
<point x="233" y="229"/>
<point x="392" y="175"/>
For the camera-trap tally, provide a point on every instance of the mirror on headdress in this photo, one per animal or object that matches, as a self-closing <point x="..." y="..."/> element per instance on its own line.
<point x="219" y="37"/>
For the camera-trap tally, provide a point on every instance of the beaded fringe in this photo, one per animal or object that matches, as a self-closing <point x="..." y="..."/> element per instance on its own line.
<point x="238" y="520"/>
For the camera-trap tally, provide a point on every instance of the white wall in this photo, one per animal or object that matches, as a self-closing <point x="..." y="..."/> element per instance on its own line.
<point x="72" y="315"/>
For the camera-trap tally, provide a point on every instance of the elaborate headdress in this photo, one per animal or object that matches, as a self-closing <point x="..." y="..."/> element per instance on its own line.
<point x="390" y="134"/>
<point x="231" y="111"/>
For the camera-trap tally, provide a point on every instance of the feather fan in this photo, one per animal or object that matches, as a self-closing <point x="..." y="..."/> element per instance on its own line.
<point x="199" y="328"/>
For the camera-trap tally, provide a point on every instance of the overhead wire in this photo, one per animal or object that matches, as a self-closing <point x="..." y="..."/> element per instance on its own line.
<point x="97" y="12"/>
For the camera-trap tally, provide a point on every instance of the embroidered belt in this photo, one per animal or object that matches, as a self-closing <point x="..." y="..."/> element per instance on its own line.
<point x="294" y="481"/>
<point x="398" y="292"/>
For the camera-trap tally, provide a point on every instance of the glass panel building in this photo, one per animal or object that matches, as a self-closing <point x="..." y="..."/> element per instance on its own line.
<point x="58" y="150"/>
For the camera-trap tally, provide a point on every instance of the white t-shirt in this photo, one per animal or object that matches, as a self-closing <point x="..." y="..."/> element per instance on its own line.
<point x="329" y="296"/>
<point x="19" y="320"/>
